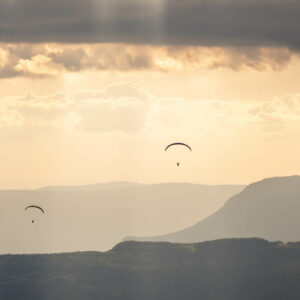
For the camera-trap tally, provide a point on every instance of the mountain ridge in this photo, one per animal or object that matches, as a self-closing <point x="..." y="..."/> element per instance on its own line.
<point x="266" y="209"/>
<point x="125" y="184"/>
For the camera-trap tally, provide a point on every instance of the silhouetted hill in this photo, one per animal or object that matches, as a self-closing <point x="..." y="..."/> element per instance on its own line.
<point x="267" y="209"/>
<point x="96" y="217"/>
<point x="233" y="269"/>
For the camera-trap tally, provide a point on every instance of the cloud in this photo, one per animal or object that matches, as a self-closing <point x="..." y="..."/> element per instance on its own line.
<point x="210" y="23"/>
<point x="38" y="65"/>
<point x="128" y="109"/>
<point x="203" y="118"/>
<point x="118" y="108"/>
<point x="36" y="60"/>
<point x="278" y="115"/>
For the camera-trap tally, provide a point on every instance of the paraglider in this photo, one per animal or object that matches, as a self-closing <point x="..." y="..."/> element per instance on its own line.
<point x="178" y="144"/>
<point x="35" y="207"/>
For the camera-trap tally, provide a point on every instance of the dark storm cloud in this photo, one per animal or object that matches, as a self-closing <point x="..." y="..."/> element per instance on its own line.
<point x="173" y="22"/>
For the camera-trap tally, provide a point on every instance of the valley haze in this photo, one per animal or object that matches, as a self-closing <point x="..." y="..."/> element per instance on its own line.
<point x="98" y="216"/>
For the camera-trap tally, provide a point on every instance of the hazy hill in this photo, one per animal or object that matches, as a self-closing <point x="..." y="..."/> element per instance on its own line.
<point x="268" y="209"/>
<point x="250" y="269"/>
<point x="90" y="187"/>
<point x="96" y="217"/>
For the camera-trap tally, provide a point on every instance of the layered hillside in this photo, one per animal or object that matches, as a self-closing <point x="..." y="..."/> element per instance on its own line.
<point x="268" y="209"/>
<point x="233" y="269"/>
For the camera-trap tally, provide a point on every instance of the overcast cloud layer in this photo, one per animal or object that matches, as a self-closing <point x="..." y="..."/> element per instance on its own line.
<point x="44" y="60"/>
<point x="176" y="22"/>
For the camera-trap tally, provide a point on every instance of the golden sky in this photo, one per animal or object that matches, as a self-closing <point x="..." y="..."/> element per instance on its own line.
<point x="78" y="108"/>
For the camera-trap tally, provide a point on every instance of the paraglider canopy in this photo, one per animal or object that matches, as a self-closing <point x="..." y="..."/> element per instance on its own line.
<point x="34" y="206"/>
<point x="178" y="144"/>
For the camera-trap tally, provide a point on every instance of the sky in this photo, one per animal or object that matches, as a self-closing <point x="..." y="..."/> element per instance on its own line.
<point x="93" y="91"/>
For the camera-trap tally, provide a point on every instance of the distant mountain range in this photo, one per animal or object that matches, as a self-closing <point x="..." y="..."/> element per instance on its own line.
<point x="268" y="209"/>
<point x="90" y="187"/>
<point x="234" y="269"/>
<point x="98" y="216"/>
